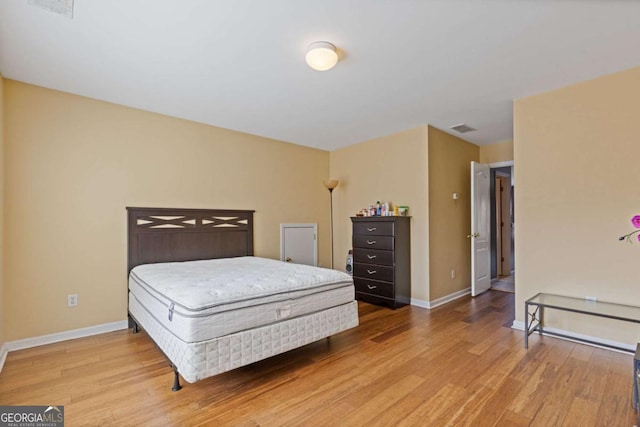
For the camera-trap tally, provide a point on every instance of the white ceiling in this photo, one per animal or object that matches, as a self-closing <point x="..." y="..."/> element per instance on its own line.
<point x="239" y="64"/>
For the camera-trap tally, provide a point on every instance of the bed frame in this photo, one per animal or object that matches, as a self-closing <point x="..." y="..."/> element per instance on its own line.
<point x="167" y="235"/>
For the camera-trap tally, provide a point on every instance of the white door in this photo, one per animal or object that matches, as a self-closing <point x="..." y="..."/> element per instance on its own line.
<point x="298" y="243"/>
<point x="480" y="229"/>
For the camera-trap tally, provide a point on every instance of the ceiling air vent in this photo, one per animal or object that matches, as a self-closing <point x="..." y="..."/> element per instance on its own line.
<point x="462" y="128"/>
<point x="62" y="7"/>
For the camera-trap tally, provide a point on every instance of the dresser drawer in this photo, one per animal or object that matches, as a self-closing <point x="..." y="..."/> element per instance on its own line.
<point x="373" y="272"/>
<point x="373" y="287"/>
<point x="373" y="256"/>
<point x="373" y="228"/>
<point x="373" y="242"/>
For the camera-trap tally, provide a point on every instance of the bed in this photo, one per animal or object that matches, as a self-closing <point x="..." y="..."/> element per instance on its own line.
<point x="211" y="306"/>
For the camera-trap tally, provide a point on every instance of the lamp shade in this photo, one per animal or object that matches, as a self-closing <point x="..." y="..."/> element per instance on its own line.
<point x="321" y="56"/>
<point x="331" y="184"/>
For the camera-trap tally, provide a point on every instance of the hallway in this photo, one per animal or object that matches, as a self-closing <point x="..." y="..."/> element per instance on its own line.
<point x="505" y="284"/>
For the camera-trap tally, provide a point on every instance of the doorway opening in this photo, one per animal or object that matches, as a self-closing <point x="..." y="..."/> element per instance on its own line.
<point x="502" y="228"/>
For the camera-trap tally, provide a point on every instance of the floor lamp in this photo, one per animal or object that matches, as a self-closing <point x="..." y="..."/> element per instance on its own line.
<point x="331" y="185"/>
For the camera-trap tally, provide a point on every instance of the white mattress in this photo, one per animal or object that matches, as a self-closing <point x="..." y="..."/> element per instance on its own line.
<point x="201" y="300"/>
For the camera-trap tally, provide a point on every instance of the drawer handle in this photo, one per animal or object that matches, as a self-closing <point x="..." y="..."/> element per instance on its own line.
<point x="372" y="256"/>
<point x="371" y="286"/>
<point x="371" y="229"/>
<point x="371" y="271"/>
<point x="371" y="242"/>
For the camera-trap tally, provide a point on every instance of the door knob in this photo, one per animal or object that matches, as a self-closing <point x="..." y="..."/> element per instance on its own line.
<point x="473" y="235"/>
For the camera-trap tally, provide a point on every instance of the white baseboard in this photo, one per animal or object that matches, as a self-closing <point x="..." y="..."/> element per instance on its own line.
<point x="66" y="335"/>
<point x="420" y="303"/>
<point x="440" y="301"/>
<point x="451" y="297"/>
<point x="3" y="355"/>
<point x="519" y="325"/>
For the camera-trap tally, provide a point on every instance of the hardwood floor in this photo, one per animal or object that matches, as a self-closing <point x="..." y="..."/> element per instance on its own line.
<point x="459" y="364"/>
<point x="504" y="284"/>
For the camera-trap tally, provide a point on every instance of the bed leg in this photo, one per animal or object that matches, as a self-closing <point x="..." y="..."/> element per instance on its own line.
<point x="133" y="325"/>
<point x="176" y="380"/>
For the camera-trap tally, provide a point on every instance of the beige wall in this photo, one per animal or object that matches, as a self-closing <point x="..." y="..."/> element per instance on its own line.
<point x="2" y="207"/>
<point x="391" y="168"/>
<point x="72" y="166"/>
<point x="577" y="160"/>
<point x="449" y="220"/>
<point x="498" y="152"/>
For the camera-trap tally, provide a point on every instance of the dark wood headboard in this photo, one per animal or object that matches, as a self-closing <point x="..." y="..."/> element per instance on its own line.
<point x="166" y="235"/>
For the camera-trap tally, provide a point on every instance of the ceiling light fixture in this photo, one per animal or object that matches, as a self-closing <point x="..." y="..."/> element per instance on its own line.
<point x="321" y="56"/>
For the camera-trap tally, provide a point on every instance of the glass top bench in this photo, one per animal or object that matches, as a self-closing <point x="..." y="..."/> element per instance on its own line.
<point x="534" y="320"/>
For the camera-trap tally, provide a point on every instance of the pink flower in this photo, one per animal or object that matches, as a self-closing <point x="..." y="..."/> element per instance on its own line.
<point x="636" y="223"/>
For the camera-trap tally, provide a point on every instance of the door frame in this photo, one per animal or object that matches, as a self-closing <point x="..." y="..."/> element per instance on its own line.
<point x="511" y="164"/>
<point x="300" y="225"/>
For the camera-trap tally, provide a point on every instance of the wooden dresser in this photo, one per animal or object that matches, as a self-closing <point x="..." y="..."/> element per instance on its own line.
<point x="382" y="259"/>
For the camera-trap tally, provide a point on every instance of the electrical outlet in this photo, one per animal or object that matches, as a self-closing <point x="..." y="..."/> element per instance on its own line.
<point x="453" y="273"/>
<point x="72" y="300"/>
